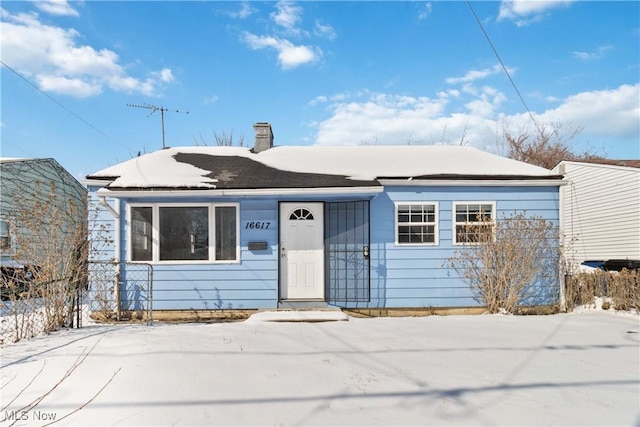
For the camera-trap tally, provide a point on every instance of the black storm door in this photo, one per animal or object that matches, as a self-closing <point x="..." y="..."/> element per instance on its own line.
<point x="347" y="251"/>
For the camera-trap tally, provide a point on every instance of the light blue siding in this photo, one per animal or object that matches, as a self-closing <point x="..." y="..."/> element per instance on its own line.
<point x="250" y="283"/>
<point x="400" y="276"/>
<point x="418" y="276"/>
<point x="102" y="228"/>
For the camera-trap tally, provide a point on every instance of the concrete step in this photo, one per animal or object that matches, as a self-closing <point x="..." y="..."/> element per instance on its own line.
<point x="302" y="304"/>
<point x="299" y="315"/>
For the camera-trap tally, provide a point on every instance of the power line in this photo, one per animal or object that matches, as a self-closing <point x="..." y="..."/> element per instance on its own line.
<point x="503" y="66"/>
<point x="17" y="147"/>
<point x="63" y="106"/>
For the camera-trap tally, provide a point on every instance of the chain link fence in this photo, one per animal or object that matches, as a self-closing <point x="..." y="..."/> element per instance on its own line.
<point x="120" y="291"/>
<point x="20" y="317"/>
<point x="31" y="306"/>
<point x="112" y="291"/>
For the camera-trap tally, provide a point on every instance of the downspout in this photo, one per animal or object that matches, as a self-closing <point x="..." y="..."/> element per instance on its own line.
<point x="103" y="202"/>
<point x="116" y="260"/>
<point x="566" y="257"/>
<point x="562" y="270"/>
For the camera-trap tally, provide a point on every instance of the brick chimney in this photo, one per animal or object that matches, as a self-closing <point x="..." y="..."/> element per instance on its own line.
<point x="264" y="137"/>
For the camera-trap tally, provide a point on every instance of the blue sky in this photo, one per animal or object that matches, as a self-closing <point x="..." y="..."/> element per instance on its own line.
<point x="332" y="73"/>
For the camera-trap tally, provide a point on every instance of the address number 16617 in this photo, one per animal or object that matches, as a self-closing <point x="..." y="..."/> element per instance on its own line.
<point x="257" y="225"/>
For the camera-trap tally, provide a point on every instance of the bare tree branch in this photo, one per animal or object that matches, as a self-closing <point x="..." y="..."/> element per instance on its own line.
<point x="46" y="210"/>
<point x="546" y="147"/>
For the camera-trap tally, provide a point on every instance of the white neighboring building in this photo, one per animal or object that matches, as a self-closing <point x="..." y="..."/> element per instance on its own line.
<point x="600" y="208"/>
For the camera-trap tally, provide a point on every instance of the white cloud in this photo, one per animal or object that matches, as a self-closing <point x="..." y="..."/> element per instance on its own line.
<point x="424" y="10"/>
<point x="474" y="75"/>
<point x="289" y="55"/>
<point x="211" y="100"/>
<point x="525" y="12"/>
<point x="368" y="117"/>
<point x="384" y="119"/>
<point x="56" y="7"/>
<point x="454" y="93"/>
<point x="244" y="12"/>
<point x="68" y="86"/>
<point x="484" y="100"/>
<point x="165" y="75"/>
<point x="604" y="113"/>
<point x="318" y="100"/>
<point x="288" y="16"/>
<point x="487" y="103"/>
<point x="325" y="31"/>
<point x="593" y="55"/>
<point x="337" y="98"/>
<point x="53" y="58"/>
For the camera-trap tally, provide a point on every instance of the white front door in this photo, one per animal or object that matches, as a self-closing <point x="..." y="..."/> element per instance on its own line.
<point x="301" y="251"/>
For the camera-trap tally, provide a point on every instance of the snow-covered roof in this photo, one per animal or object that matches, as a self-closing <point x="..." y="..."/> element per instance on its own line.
<point x="239" y="167"/>
<point x="623" y="163"/>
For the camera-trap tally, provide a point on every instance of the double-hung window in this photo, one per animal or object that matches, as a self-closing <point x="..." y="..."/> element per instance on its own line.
<point x="5" y="237"/>
<point x="226" y="233"/>
<point x="473" y="222"/>
<point x="184" y="233"/>
<point x="141" y="237"/>
<point x="417" y="223"/>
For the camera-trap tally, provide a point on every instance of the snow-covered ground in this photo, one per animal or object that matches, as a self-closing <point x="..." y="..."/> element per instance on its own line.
<point x="569" y="369"/>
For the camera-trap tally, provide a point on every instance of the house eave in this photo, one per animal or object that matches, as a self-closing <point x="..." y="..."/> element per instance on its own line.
<point x="168" y="193"/>
<point x="477" y="182"/>
<point x="97" y="182"/>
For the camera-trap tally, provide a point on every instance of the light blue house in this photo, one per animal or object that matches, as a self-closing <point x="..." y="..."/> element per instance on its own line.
<point x="348" y="226"/>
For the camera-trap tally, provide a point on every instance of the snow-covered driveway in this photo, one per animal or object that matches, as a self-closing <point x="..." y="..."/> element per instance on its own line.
<point x="570" y="369"/>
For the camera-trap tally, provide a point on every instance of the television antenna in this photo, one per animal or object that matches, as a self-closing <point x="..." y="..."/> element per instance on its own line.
<point x="153" y="109"/>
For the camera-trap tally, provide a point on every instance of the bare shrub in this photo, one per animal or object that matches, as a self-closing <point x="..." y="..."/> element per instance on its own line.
<point x="580" y="289"/>
<point x="509" y="262"/>
<point x="22" y="314"/>
<point x="49" y="241"/>
<point x="584" y="287"/>
<point x="102" y="267"/>
<point x="622" y="288"/>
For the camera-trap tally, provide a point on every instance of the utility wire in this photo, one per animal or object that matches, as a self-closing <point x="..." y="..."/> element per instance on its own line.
<point x="63" y="106"/>
<point x="503" y="66"/>
<point x="3" y="141"/>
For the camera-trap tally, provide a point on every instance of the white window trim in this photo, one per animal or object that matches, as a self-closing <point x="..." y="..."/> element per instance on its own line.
<point x="455" y="223"/>
<point x="129" y="232"/>
<point x="212" y="225"/>
<point x="9" y="236"/>
<point x="155" y="232"/>
<point x="436" y="232"/>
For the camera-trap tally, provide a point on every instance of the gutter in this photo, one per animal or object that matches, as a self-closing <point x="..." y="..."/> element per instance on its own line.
<point x="413" y="182"/>
<point x="124" y="193"/>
